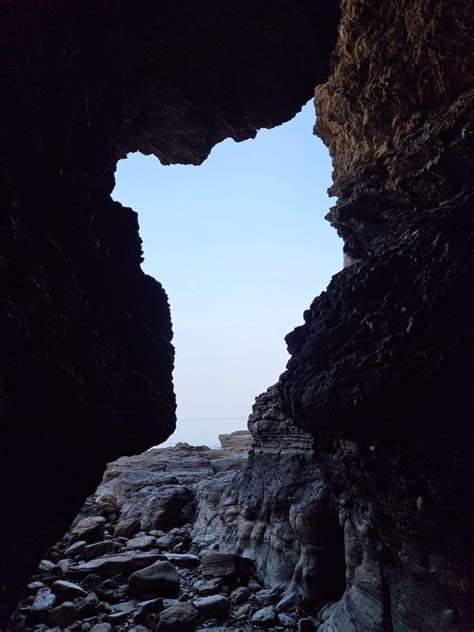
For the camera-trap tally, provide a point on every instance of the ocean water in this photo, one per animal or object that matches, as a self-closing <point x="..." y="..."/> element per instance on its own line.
<point x="204" y="431"/>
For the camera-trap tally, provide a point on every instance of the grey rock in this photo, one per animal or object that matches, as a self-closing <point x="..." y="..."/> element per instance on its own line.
<point x="253" y="585"/>
<point x="76" y="549"/>
<point x="89" y="529"/>
<point x="213" y="606"/>
<point x="142" y="542"/>
<point x="63" y="615"/>
<point x="240" y="595"/>
<point x="111" y="591"/>
<point x="161" y="579"/>
<point x="286" y="620"/>
<point x="182" y="617"/>
<point x="208" y="586"/>
<point x="42" y="605"/>
<point x="127" y="528"/>
<point x="269" y="596"/>
<point x="67" y="590"/>
<point x="89" y="606"/>
<point x="101" y="627"/>
<point x="98" y="549"/>
<point x="227" y="565"/>
<point x="265" y="617"/>
<point x="110" y="565"/>
<point x="35" y="586"/>
<point x="185" y="560"/>
<point x="145" y="608"/>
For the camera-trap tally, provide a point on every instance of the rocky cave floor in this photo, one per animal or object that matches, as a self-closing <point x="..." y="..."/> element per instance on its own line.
<point x="130" y="560"/>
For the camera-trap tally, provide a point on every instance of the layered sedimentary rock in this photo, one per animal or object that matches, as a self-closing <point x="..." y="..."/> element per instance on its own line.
<point x="86" y="352"/>
<point x="276" y="511"/>
<point x="381" y="371"/>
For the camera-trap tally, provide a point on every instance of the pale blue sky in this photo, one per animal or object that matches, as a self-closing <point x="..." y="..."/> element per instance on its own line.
<point x="241" y="246"/>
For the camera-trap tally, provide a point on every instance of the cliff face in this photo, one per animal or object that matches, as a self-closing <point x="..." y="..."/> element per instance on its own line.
<point x="381" y="371"/>
<point x="86" y="351"/>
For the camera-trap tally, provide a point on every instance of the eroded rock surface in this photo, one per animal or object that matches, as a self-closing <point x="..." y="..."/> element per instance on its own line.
<point x="86" y="335"/>
<point x="174" y="584"/>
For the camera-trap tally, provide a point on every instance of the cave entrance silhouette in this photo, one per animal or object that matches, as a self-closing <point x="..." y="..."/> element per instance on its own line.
<point x="241" y="246"/>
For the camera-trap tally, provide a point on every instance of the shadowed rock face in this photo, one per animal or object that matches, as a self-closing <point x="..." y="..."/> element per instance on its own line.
<point x="86" y="351"/>
<point x="381" y="370"/>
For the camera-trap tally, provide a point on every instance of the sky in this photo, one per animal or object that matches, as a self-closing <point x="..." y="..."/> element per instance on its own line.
<point x="241" y="246"/>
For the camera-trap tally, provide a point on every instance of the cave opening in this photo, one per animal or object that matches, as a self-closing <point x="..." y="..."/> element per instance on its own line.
<point x="241" y="247"/>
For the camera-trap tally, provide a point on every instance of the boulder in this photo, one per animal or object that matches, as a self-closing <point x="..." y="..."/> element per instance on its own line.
<point x="161" y="579"/>
<point x="227" y="565"/>
<point x="182" y="617"/>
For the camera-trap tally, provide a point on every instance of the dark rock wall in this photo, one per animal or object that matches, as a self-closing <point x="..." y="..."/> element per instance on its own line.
<point x="86" y="351"/>
<point x="381" y="370"/>
<point x="277" y="511"/>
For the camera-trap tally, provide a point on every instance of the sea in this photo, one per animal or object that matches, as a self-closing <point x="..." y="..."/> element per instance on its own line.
<point x="204" y="431"/>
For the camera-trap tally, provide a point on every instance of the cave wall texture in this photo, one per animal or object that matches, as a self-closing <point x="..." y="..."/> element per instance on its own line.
<point x="380" y="379"/>
<point x="86" y="335"/>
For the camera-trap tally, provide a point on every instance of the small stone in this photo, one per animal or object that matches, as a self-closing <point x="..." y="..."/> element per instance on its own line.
<point x="285" y="620"/>
<point x="98" y="549"/>
<point x="265" y="617"/>
<point x="141" y="542"/>
<point x="227" y="565"/>
<point x="91" y="582"/>
<point x="208" y="587"/>
<point x="67" y="590"/>
<point x="269" y="596"/>
<point x="89" y="529"/>
<point x="240" y="595"/>
<point x="91" y="605"/>
<point x="215" y="606"/>
<point x="111" y="565"/>
<point x="182" y="617"/>
<point x="117" y="618"/>
<point x="42" y="605"/>
<point x="145" y="608"/>
<point x="111" y="591"/>
<point x="160" y="579"/>
<point x="46" y="566"/>
<point x="253" y="585"/>
<point x="63" y="615"/>
<point x="101" y="627"/>
<point x="76" y="549"/>
<point x="243" y="611"/>
<point x="62" y="567"/>
<point x="34" y="586"/>
<point x="183" y="560"/>
<point x="127" y="528"/>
